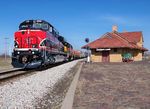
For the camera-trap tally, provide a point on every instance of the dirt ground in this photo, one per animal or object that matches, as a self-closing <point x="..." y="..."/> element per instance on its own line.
<point x="113" y="86"/>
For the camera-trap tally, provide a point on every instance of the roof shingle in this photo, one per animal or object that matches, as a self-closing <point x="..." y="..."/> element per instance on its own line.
<point x="118" y="40"/>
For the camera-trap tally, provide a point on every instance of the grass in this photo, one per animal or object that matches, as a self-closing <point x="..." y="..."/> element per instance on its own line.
<point x="5" y="63"/>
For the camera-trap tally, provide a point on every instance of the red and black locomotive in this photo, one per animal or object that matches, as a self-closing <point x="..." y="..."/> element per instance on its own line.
<point x="38" y="43"/>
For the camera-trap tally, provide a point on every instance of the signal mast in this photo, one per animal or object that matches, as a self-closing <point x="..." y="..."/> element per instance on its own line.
<point x="88" y="50"/>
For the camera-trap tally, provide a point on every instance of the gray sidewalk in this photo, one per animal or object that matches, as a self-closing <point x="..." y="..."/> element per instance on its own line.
<point x="68" y="101"/>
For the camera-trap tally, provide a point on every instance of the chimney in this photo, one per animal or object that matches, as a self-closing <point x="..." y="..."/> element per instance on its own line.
<point x="114" y="28"/>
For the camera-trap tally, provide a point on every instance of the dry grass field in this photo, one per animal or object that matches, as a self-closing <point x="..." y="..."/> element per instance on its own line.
<point x="113" y="86"/>
<point x="5" y="64"/>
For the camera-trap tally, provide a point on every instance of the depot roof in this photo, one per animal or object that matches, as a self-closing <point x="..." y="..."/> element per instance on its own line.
<point x="118" y="40"/>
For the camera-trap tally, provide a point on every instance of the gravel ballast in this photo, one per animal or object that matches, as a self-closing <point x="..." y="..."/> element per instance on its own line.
<point x="25" y="92"/>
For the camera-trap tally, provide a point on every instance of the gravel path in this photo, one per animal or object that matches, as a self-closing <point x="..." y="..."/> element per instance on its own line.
<point x="25" y="92"/>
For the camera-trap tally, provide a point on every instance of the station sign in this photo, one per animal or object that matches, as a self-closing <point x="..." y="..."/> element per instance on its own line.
<point x="99" y="49"/>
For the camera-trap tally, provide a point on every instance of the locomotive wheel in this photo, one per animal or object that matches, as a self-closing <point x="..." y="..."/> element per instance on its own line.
<point x="24" y="59"/>
<point x="52" y="60"/>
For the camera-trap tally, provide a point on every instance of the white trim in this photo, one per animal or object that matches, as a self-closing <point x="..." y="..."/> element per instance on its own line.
<point x="26" y="49"/>
<point x="99" y="49"/>
<point x="29" y="30"/>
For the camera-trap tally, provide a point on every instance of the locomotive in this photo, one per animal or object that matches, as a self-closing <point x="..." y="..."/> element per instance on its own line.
<point x="38" y="43"/>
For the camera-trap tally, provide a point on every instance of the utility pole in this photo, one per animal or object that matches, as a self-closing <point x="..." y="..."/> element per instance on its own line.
<point x="5" y="46"/>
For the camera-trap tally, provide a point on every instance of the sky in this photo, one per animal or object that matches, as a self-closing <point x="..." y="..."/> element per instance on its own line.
<point x="76" y="19"/>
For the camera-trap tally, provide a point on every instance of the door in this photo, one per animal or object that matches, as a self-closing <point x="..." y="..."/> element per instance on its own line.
<point x="105" y="56"/>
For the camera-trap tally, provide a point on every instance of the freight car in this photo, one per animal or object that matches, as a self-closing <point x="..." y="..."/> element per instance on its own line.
<point x="38" y="43"/>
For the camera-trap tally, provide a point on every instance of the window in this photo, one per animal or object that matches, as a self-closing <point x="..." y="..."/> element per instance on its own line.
<point x="40" y="26"/>
<point x="50" y="29"/>
<point x="34" y="25"/>
<point x="115" y="49"/>
<point x="55" y="32"/>
<point x="44" y="26"/>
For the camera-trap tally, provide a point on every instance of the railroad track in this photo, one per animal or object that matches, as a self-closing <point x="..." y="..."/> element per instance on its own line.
<point x="17" y="72"/>
<point x="11" y="73"/>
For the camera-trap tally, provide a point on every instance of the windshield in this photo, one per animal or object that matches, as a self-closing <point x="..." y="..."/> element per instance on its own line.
<point x="31" y="25"/>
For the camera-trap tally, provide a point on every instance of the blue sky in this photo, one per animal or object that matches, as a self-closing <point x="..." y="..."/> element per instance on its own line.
<point x="76" y="19"/>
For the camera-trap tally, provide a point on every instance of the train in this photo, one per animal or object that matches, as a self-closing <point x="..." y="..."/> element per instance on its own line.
<point x="37" y="43"/>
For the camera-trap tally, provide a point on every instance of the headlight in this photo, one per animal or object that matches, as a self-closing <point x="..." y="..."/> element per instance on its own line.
<point x="16" y="46"/>
<point x="33" y="52"/>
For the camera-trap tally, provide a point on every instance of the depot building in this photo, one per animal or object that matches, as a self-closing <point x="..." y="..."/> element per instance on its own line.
<point x="112" y="46"/>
